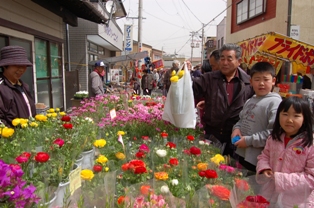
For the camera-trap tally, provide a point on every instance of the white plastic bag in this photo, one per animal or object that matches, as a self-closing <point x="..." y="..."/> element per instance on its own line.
<point x="179" y="107"/>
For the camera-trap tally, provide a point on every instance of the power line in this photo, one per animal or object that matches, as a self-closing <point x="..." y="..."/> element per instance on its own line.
<point x="165" y="21"/>
<point x="191" y="11"/>
<point x="186" y="21"/>
<point x="163" y="9"/>
<point x="183" y="45"/>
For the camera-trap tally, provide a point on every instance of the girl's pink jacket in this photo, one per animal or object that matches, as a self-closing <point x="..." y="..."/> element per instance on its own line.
<point x="293" y="168"/>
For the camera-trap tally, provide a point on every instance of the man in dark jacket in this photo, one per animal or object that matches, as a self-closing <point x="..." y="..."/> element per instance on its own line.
<point x="167" y="82"/>
<point x="225" y="91"/>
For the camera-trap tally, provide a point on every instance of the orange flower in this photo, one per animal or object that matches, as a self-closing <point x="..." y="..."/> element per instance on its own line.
<point x="121" y="199"/>
<point x="242" y="184"/>
<point x="145" y="190"/>
<point x="202" y="166"/>
<point x="161" y="176"/>
<point x="220" y="191"/>
<point x="125" y="167"/>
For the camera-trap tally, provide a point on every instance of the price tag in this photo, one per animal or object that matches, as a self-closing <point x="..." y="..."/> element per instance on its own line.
<point x="113" y="113"/>
<point x="75" y="180"/>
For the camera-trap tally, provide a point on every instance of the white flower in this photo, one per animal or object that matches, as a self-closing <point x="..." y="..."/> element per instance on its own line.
<point x="201" y="142"/>
<point x="164" y="189"/>
<point x="174" y="182"/>
<point x="161" y="153"/>
<point x="89" y="119"/>
<point x="188" y="188"/>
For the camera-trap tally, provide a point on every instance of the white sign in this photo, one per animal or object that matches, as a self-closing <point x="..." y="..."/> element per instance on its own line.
<point x="128" y="37"/>
<point x="114" y="75"/>
<point x="295" y="32"/>
<point x="111" y="34"/>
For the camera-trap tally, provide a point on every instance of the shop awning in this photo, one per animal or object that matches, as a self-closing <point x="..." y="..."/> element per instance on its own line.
<point x="276" y="48"/>
<point x="129" y="57"/>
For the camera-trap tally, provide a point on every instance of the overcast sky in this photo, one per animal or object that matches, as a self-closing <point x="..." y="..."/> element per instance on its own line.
<point x="169" y="23"/>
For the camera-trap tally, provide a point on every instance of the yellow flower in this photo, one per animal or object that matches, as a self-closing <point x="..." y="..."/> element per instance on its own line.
<point x="217" y="159"/>
<point x="120" y="156"/>
<point x="106" y="169"/>
<point x="100" y="143"/>
<point x="33" y="124"/>
<point x="54" y="115"/>
<point x="173" y="72"/>
<point x="181" y="73"/>
<point x="7" y="132"/>
<point x="102" y="159"/>
<point x="121" y="133"/>
<point x="202" y="166"/>
<point x="24" y="125"/>
<point x="107" y="134"/>
<point x="49" y="115"/>
<point x="57" y="109"/>
<point x="16" y="121"/>
<point x="24" y="121"/>
<point x="40" y="117"/>
<point x="87" y="174"/>
<point x="51" y="110"/>
<point x="161" y="176"/>
<point x="174" y="79"/>
<point x="62" y="113"/>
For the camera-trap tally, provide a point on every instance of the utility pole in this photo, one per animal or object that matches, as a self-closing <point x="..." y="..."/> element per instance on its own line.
<point x="140" y="16"/>
<point x="202" y="57"/>
<point x="192" y="46"/>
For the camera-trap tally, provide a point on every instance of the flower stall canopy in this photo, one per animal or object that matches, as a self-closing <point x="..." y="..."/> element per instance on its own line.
<point x="276" y="48"/>
<point x="129" y="57"/>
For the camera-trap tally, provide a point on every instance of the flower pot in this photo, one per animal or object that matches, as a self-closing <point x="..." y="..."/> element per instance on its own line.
<point x="88" y="159"/>
<point x="49" y="204"/>
<point x="62" y="190"/>
<point x="79" y="160"/>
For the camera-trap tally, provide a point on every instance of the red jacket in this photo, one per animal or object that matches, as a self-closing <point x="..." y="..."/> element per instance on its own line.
<point x="12" y="102"/>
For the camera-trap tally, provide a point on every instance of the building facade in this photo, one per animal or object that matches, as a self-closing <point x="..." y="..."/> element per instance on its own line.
<point x="39" y="27"/>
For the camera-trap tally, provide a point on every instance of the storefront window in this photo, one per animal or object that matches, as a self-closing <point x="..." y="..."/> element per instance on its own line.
<point x="49" y="73"/>
<point x="247" y="9"/>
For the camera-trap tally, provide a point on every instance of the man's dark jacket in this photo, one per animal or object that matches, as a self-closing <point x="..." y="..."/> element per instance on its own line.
<point x="219" y="116"/>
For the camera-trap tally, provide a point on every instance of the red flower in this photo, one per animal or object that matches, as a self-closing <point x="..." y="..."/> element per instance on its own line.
<point x="171" y="145"/>
<point x="23" y="158"/>
<point x="68" y="126"/>
<point x="220" y="191"/>
<point x="59" y="142"/>
<point x="140" y="155"/>
<point x="97" y="168"/>
<point x="211" y="174"/>
<point x="42" y="157"/>
<point x="190" y="137"/>
<point x="186" y="151"/>
<point x="125" y="167"/>
<point x="15" y="166"/>
<point x="136" y="163"/>
<point x="195" y="151"/>
<point x="164" y="134"/>
<point x="140" y="170"/>
<point x="121" y="199"/>
<point x="173" y="161"/>
<point x="26" y="154"/>
<point x="257" y="198"/>
<point x="66" y="118"/>
<point x="202" y="174"/>
<point x="145" y="137"/>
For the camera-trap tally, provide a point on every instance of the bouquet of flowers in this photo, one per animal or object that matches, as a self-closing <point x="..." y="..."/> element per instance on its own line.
<point x="81" y="95"/>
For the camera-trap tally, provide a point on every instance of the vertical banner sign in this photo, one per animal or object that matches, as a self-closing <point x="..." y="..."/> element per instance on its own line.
<point x="128" y="37"/>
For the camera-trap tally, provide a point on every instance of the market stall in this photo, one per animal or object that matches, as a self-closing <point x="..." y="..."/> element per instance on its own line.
<point x="278" y="49"/>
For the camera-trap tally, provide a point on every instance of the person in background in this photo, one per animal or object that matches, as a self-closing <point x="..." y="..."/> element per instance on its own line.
<point x="245" y="68"/>
<point x="167" y="82"/>
<point x="308" y="80"/>
<point x="96" y="80"/>
<point x="15" y="98"/>
<point x="225" y="91"/>
<point x="136" y="86"/>
<point x="206" y="67"/>
<point x="196" y="72"/>
<point x="156" y="78"/>
<point x="147" y="83"/>
<point x="287" y="161"/>
<point x="257" y="117"/>
<point x="214" y="59"/>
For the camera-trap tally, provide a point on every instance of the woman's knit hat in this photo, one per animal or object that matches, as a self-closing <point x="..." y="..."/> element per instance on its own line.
<point x="14" y="55"/>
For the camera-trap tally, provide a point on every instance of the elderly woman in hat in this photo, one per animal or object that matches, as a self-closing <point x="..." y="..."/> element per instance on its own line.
<point x="15" y="99"/>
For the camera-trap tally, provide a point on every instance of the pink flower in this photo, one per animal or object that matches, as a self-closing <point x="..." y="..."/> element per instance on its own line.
<point x="144" y="148"/>
<point x="59" y="142"/>
<point x="230" y="169"/>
